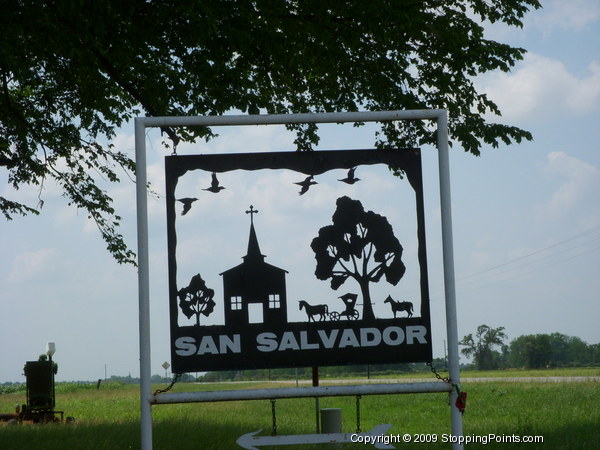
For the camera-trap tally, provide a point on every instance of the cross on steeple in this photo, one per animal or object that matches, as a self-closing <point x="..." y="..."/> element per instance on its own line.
<point x="252" y="211"/>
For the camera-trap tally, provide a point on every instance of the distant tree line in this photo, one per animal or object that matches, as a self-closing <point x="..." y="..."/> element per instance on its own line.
<point x="532" y="351"/>
<point x="305" y="373"/>
<point x="486" y="347"/>
<point x="186" y="377"/>
<point x="552" y="350"/>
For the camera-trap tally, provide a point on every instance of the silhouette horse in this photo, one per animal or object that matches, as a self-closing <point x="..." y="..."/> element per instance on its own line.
<point x="399" y="306"/>
<point x="314" y="310"/>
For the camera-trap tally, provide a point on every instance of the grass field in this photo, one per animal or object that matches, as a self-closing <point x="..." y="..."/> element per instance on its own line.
<point x="566" y="415"/>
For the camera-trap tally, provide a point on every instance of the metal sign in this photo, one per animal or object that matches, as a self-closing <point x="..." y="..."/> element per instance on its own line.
<point x="437" y="117"/>
<point x="262" y="323"/>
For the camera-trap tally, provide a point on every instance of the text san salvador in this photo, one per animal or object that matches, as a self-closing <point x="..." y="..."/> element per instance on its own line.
<point x="391" y="336"/>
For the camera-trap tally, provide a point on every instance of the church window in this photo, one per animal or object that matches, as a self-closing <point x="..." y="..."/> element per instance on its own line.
<point x="274" y="301"/>
<point x="236" y="303"/>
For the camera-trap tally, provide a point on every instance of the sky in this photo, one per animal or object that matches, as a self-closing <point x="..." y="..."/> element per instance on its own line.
<point x="526" y="222"/>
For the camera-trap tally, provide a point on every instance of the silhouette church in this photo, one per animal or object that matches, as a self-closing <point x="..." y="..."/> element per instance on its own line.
<point x="254" y="291"/>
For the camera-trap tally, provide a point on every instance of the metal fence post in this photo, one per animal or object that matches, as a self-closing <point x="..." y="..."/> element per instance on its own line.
<point x="449" y="282"/>
<point x="143" y="284"/>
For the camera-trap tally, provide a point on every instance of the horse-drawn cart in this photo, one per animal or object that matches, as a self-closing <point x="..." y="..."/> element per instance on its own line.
<point x="322" y="311"/>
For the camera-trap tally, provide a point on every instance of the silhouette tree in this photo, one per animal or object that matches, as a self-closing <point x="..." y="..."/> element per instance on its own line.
<point x="196" y="299"/>
<point x="360" y="245"/>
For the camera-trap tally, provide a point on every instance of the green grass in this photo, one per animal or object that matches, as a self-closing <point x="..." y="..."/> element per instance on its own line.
<point x="558" y="372"/>
<point x="509" y="373"/>
<point x="565" y="414"/>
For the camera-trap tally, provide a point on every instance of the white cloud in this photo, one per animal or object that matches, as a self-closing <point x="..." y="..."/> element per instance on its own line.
<point x="30" y="264"/>
<point x="579" y="189"/>
<point x="572" y="15"/>
<point x="543" y="87"/>
<point x="242" y="140"/>
<point x="125" y="142"/>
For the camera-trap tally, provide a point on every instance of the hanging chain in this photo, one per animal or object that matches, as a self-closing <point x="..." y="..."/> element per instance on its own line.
<point x="173" y="136"/>
<point x="461" y="396"/>
<point x="358" y="397"/>
<point x="274" y="430"/>
<point x="168" y="388"/>
<point x="174" y="152"/>
<point x="437" y="375"/>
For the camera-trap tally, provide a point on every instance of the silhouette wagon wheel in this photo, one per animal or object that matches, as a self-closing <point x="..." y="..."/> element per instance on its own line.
<point x="352" y="314"/>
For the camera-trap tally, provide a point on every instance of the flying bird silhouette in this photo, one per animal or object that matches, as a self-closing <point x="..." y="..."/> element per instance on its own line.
<point x="187" y="204"/>
<point x="350" y="178"/>
<point x="308" y="182"/>
<point x="214" y="186"/>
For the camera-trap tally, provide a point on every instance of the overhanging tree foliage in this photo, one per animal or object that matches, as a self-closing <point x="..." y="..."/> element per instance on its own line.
<point x="72" y="73"/>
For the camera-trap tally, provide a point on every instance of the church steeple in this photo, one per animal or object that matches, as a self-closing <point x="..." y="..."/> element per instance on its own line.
<point x="253" y="253"/>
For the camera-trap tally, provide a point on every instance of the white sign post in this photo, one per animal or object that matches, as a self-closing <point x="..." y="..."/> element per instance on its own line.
<point x="166" y="366"/>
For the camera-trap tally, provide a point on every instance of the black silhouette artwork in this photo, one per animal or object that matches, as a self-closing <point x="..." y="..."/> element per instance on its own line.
<point x="196" y="299"/>
<point x="242" y="320"/>
<point x="350" y="178"/>
<point x="254" y="282"/>
<point x="187" y="204"/>
<point x="306" y="184"/>
<point x="399" y="306"/>
<point x="350" y="311"/>
<point x="214" y="185"/>
<point x="314" y="310"/>
<point x="359" y="245"/>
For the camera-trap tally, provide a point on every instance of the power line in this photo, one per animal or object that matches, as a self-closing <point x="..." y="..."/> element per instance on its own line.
<point x="516" y="275"/>
<point x="535" y="253"/>
<point x="527" y="264"/>
<point x="509" y="266"/>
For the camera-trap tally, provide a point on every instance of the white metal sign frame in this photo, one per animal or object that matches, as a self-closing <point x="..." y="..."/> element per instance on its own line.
<point x="147" y="399"/>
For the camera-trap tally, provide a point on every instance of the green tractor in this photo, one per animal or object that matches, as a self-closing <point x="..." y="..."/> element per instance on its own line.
<point x="41" y="398"/>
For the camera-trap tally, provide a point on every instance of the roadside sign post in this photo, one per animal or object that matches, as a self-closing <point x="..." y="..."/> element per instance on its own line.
<point x="166" y="366"/>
